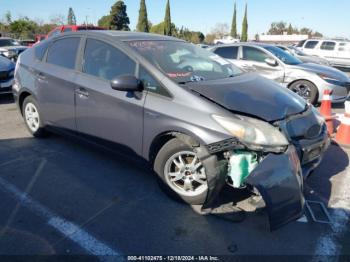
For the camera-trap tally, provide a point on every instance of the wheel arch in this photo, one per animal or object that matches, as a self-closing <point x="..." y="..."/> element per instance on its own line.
<point x="22" y="96"/>
<point x="307" y="80"/>
<point x="161" y="139"/>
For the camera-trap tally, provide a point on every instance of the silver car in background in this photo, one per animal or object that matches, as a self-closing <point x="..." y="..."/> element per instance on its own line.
<point x="303" y="56"/>
<point x="306" y="79"/>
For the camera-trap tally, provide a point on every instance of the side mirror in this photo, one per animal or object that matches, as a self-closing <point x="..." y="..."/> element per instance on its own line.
<point x="127" y="83"/>
<point x="271" y="62"/>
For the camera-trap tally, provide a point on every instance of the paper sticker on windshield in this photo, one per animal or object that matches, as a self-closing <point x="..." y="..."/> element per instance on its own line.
<point x="219" y="60"/>
<point x="175" y="75"/>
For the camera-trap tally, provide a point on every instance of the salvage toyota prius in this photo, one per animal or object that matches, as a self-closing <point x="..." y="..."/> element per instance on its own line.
<point x="199" y="121"/>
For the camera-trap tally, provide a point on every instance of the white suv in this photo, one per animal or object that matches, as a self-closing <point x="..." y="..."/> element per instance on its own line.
<point x="335" y="51"/>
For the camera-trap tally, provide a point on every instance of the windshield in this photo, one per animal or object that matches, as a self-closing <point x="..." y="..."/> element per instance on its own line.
<point x="297" y="51"/>
<point x="184" y="62"/>
<point x="8" y="42"/>
<point x="283" y="56"/>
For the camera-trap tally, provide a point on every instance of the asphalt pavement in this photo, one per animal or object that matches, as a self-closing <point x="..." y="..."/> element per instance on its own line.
<point x="63" y="197"/>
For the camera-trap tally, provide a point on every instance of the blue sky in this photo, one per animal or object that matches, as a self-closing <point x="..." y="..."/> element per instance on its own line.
<point x="330" y="17"/>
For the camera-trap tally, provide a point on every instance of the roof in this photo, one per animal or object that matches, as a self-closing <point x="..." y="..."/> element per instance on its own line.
<point x="245" y="44"/>
<point x="127" y="36"/>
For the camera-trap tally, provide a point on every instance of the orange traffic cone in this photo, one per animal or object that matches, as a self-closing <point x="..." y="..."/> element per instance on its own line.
<point x="326" y="105"/>
<point x="343" y="134"/>
<point x="326" y="111"/>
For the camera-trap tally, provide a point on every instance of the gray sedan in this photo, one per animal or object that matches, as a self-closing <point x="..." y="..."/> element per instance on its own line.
<point x="199" y="121"/>
<point x="308" y="80"/>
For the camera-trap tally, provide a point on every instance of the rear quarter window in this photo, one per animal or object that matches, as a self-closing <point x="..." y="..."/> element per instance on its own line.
<point x="40" y="50"/>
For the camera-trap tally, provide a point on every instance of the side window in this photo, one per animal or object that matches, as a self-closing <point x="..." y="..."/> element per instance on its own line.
<point x="342" y="47"/>
<point x="301" y="43"/>
<point x="40" y="50"/>
<point x="64" y="52"/>
<point x="105" y="61"/>
<point x="151" y="84"/>
<point x="229" y="52"/>
<point x="326" y="45"/>
<point x="311" y="44"/>
<point x="67" y="29"/>
<point x="254" y="54"/>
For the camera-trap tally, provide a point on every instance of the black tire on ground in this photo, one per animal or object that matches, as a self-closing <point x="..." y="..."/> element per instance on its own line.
<point x="169" y="149"/>
<point x="40" y="132"/>
<point x="312" y="87"/>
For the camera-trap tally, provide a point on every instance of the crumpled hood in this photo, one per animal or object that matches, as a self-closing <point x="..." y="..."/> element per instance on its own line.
<point x="6" y="64"/>
<point x="325" y="70"/>
<point x="253" y="95"/>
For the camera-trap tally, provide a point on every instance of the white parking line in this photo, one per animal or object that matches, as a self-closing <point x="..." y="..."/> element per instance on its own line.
<point x="67" y="228"/>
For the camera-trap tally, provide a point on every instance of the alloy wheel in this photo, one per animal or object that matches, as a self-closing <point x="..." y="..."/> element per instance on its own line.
<point x="185" y="174"/>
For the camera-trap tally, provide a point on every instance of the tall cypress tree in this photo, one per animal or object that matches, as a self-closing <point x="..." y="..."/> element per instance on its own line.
<point x="142" y="25"/>
<point x="167" y="20"/>
<point x="234" y="23"/>
<point x="119" y="17"/>
<point x="244" y="37"/>
<point x="71" y="17"/>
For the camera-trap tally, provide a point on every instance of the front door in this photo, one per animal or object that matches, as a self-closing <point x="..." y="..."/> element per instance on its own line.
<point x="253" y="60"/>
<point x="101" y="111"/>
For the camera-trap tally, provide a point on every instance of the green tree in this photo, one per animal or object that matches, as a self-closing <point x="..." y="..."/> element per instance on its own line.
<point x="71" y="20"/>
<point x="290" y="29"/>
<point x="159" y="29"/>
<point x="142" y="25"/>
<point x="277" y="28"/>
<point x="244" y="37"/>
<point x="23" y="28"/>
<point x="167" y="20"/>
<point x="119" y="17"/>
<point x="105" y="21"/>
<point x="234" y="23"/>
<point x="8" y="17"/>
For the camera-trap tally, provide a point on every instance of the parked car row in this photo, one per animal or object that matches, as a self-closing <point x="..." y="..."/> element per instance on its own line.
<point x="194" y="116"/>
<point x="308" y="80"/>
<point x="10" y="48"/>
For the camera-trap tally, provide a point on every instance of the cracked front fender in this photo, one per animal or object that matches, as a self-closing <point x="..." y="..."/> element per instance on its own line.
<point x="278" y="179"/>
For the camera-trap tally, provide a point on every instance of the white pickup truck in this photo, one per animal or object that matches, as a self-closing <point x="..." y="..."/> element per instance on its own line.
<point x="337" y="52"/>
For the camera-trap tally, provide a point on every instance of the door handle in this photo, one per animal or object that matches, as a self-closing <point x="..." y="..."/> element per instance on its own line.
<point x="82" y="92"/>
<point x="41" y="76"/>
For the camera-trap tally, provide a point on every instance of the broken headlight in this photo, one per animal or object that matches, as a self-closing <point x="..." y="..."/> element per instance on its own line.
<point x="252" y="132"/>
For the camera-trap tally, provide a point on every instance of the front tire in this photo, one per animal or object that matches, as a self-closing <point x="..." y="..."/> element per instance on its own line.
<point x="32" y="117"/>
<point x="306" y="90"/>
<point x="181" y="173"/>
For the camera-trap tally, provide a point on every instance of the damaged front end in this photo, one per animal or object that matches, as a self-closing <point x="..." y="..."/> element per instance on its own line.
<point x="277" y="177"/>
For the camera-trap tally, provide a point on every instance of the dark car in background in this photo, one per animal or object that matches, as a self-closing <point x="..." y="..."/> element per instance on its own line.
<point x="7" y="71"/>
<point x="11" y="48"/>
<point x="195" y="117"/>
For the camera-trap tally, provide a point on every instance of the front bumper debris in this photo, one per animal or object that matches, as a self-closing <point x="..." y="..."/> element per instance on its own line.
<point x="279" y="180"/>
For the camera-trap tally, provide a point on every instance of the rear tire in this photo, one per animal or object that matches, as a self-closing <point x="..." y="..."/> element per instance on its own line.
<point x="306" y="90"/>
<point x="32" y="117"/>
<point x="175" y="165"/>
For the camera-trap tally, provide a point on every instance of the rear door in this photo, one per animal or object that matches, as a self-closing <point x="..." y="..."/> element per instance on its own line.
<point x="101" y="111"/>
<point x="55" y="81"/>
<point x="253" y="60"/>
<point x="328" y="51"/>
